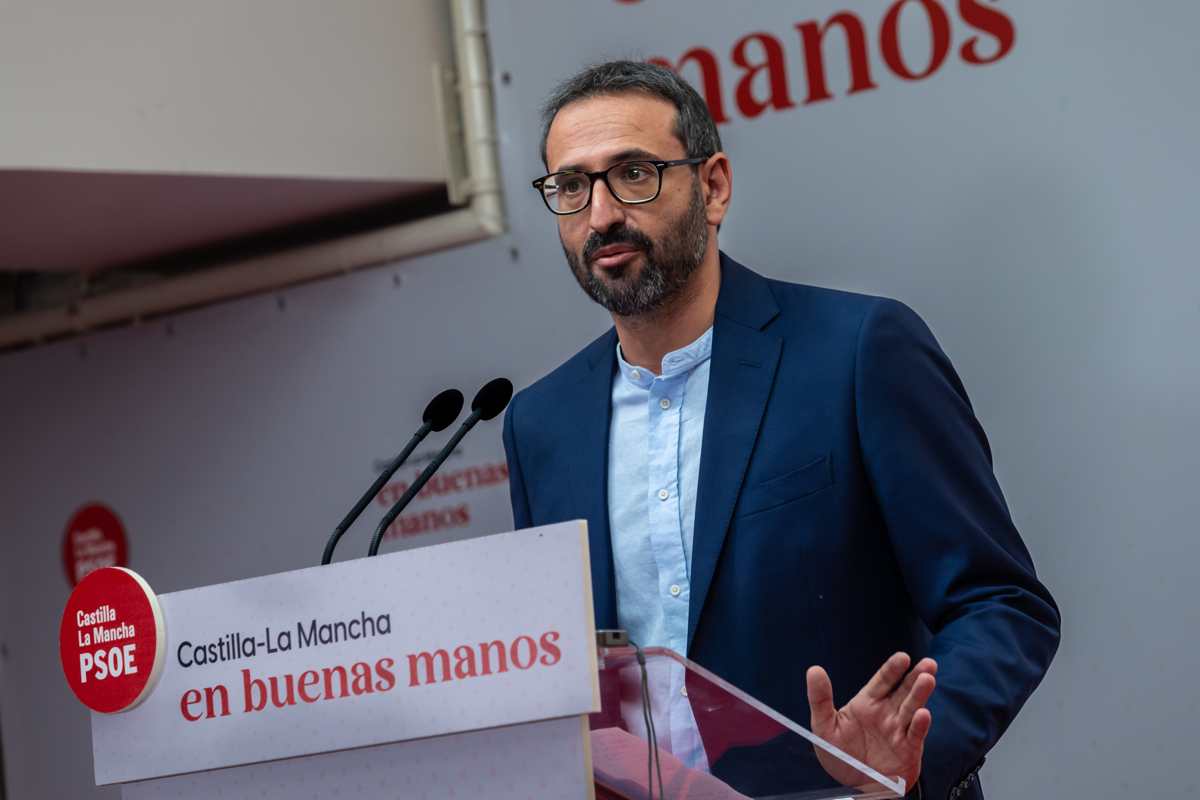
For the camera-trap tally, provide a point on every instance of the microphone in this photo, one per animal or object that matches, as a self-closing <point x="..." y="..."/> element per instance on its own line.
<point x="488" y="403"/>
<point x="439" y="414"/>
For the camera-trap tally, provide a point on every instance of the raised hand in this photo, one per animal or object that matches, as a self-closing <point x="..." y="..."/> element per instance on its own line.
<point x="884" y="725"/>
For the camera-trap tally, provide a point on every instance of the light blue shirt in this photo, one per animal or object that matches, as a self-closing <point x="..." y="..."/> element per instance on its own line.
<point x="653" y="468"/>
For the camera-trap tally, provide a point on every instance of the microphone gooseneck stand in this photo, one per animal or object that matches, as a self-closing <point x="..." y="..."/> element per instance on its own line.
<point x="653" y="758"/>
<point x="439" y="415"/>
<point x="488" y="403"/>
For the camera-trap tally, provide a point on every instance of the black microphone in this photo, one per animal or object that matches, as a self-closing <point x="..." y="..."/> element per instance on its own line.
<point x="439" y="414"/>
<point x="488" y="403"/>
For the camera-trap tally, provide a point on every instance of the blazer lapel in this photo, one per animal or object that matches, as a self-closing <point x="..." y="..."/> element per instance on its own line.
<point x="589" y="469"/>
<point x="744" y="362"/>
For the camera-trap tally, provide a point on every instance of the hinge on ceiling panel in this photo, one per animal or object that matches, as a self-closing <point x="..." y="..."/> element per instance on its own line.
<point x="454" y="148"/>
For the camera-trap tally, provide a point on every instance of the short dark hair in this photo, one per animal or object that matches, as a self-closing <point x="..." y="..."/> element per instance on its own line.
<point x="694" y="125"/>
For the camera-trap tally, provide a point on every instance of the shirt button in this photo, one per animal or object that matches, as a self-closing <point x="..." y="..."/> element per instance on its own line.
<point x="664" y="404"/>
<point x="663" y="494"/>
<point x="683" y="691"/>
<point x="635" y="374"/>
<point x="675" y="590"/>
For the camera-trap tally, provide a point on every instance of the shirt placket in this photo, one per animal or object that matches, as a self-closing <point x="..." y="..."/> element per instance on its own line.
<point x="665" y="410"/>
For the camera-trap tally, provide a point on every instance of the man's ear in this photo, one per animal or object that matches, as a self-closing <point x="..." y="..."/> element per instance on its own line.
<point x="716" y="183"/>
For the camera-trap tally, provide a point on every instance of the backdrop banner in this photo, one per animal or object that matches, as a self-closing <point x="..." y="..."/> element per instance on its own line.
<point x="1021" y="173"/>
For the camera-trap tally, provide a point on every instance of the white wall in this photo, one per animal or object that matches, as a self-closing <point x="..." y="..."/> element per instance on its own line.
<point x="1036" y="211"/>
<point x="274" y="87"/>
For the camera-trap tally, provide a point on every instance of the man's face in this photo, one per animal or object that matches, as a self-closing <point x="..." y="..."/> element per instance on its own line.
<point x="631" y="259"/>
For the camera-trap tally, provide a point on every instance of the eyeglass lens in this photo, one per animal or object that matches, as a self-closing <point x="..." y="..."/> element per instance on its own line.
<point x="631" y="182"/>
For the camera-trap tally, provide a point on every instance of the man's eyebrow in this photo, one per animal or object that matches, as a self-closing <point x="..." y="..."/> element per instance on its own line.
<point x="632" y="154"/>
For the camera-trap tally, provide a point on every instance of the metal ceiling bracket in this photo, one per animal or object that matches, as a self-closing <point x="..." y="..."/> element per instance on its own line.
<point x="466" y="108"/>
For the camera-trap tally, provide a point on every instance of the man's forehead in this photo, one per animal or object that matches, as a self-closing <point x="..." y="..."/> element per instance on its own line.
<point x="587" y="132"/>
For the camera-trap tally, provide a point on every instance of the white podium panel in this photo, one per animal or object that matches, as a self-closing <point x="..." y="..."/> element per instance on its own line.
<point x="464" y="636"/>
<point x="497" y="764"/>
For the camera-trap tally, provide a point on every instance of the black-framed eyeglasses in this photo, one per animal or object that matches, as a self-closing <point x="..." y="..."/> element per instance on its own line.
<point x="631" y="182"/>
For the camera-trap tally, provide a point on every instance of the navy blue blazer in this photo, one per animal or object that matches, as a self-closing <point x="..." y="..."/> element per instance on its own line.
<point x="846" y="509"/>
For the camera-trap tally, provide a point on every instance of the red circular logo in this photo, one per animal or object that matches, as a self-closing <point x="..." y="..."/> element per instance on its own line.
<point x="111" y="640"/>
<point x="94" y="538"/>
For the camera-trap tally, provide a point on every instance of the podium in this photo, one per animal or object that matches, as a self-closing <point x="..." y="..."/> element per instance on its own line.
<point x="467" y="669"/>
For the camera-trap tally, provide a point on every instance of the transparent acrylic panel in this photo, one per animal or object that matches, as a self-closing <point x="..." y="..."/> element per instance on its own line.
<point x="714" y="742"/>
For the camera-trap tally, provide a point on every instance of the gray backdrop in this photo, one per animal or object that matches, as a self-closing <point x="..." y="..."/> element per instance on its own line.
<point x="1036" y="211"/>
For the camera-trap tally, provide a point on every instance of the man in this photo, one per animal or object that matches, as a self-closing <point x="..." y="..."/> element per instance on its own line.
<point x="774" y="476"/>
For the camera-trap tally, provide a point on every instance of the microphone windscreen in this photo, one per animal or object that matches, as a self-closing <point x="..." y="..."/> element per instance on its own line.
<point x="443" y="409"/>
<point x="492" y="398"/>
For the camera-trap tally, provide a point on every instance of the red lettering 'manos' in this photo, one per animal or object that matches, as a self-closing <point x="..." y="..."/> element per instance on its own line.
<point x="484" y="658"/>
<point x="762" y="62"/>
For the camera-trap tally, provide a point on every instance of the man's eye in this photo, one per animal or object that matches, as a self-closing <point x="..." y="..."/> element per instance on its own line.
<point x="571" y="185"/>
<point x="634" y="173"/>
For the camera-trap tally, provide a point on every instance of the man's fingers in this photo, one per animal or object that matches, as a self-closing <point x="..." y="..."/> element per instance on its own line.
<point x="883" y="681"/>
<point x="916" y="698"/>
<point x="918" y="729"/>
<point x="820" y="700"/>
<point x="923" y="667"/>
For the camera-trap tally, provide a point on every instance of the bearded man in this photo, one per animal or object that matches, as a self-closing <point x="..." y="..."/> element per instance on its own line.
<point x="785" y="483"/>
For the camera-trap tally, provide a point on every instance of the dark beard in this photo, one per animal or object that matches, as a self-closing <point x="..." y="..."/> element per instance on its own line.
<point x="668" y="265"/>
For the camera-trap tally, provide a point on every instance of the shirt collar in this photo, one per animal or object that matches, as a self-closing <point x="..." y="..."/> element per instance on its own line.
<point x="676" y="362"/>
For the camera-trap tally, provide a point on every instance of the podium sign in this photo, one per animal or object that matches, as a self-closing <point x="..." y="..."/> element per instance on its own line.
<point x="460" y="637"/>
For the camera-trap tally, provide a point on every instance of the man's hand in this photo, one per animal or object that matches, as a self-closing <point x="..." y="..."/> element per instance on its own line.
<point x="884" y="725"/>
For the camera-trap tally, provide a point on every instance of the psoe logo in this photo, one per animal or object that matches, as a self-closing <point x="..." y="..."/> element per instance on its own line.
<point x="94" y="538"/>
<point x="111" y="640"/>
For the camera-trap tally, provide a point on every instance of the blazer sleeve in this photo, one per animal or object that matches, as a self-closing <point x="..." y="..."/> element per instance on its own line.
<point x="516" y="480"/>
<point x="995" y="626"/>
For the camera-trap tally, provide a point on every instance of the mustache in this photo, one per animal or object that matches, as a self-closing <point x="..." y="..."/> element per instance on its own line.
<point x="616" y="235"/>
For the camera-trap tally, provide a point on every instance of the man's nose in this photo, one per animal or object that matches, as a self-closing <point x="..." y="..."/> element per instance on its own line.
<point x="604" y="210"/>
